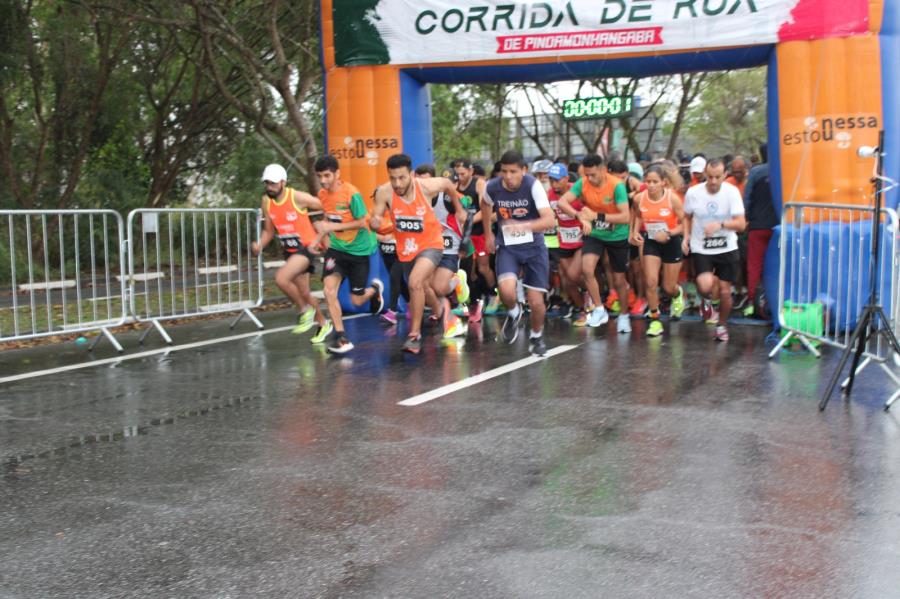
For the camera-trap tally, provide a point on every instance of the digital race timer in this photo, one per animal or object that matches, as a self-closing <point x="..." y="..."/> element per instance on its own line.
<point x="598" y="108"/>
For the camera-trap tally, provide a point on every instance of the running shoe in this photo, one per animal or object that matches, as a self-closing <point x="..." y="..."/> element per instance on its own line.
<point x="493" y="305"/>
<point x="740" y="302"/>
<point x="305" y="321"/>
<point x="510" y="330"/>
<point x="749" y="311"/>
<point x="537" y="347"/>
<point x="721" y="333"/>
<point x="461" y="310"/>
<point x="612" y="299"/>
<point x="322" y="333"/>
<point x="638" y="307"/>
<point x="389" y="316"/>
<point x="713" y="317"/>
<point x="475" y="314"/>
<point x="566" y="311"/>
<point x="623" y="323"/>
<point x="599" y="317"/>
<point x="705" y="309"/>
<point x="456" y="329"/>
<point x="376" y="303"/>
<point x="462" y="288"/>
<point x="655" y="329"/>
<point x="413" y="345"/>
<point x="339" y="344"/>
<point x="581" y="320"/>
<point x="678" y="304"/>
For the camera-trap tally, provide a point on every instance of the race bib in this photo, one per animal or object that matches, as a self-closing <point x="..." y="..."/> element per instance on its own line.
<point x="570" y="234"/>
<point x="410" y="224"/>
<point x="512" y="237"/>
<point x="714" y="243"/>
<point x="602" y="225"/>
<point x="451" y="243"/>
<point x="654" y="228"/>
<point x="290" y="242"/>
<point x="388" y="248"/>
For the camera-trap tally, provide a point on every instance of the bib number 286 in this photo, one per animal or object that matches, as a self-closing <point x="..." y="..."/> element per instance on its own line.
<point x="714" y="243"/>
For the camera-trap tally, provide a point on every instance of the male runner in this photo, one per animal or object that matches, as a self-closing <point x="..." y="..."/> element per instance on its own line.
<point x="351" y="244"/>
<point x="420" y="244"/>
<point x="524" y="213"/>
<point x="472" y="187"/>
<point x="714" y="212"/>
<point x="605" y="218"/>
<point x="448" y="277"/>
<point x="286" y="215"/>
<point x="569" y="241"/>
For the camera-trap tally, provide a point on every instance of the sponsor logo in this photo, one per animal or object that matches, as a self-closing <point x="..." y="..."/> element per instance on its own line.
<point x="291" y="216"/>
<point x="519" y="212"/>
<point x="712" y="208"/>
<point x="364" y="148"/>
<point x="330" y="264"/>
<point x="521" y="203"/>
<point x="410" y="247"/>
<point x="827" y="129"/>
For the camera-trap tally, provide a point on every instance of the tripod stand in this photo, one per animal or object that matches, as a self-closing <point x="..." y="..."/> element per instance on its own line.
<point x="872" y="322"/>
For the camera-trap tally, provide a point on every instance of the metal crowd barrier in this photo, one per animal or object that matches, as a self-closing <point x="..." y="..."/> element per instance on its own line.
<point x="61" y="273"/>
<point x="824" y="278"/>
<point x="190" y="262"/>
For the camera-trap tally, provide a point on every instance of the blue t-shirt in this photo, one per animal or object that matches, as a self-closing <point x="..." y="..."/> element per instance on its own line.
<point x="517" y="206"/>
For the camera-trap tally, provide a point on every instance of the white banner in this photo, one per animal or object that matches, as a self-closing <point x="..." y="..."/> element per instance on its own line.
<point x="440" y="31"/>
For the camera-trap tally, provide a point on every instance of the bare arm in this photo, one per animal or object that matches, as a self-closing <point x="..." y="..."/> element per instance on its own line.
<point x="307" y="200"/>
<point x="382" y="199"/>
<point x="268" y="230"/>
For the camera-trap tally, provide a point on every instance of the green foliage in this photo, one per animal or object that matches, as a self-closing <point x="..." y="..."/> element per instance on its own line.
<point x="730" y="116"/>
<point x="467" y="121"/>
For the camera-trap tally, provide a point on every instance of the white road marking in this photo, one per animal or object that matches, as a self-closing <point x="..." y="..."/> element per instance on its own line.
<point x="152" y="352"/>
<point x="484" y="376"/>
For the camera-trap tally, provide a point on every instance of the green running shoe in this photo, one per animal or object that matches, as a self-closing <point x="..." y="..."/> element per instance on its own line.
<point x="305" y="321"/>
<point x="322" y="334"/>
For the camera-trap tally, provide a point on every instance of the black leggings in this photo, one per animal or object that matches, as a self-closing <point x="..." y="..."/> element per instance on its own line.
<point x="398" y="281"/>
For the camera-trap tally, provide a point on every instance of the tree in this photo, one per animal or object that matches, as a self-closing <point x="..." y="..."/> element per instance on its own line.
<point x="468" y="121"/>
<point x="730" y="116"/>
<point x="57" y="62"/>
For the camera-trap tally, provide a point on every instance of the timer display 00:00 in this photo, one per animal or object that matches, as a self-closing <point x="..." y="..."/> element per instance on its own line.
<point x="592" y="108"/>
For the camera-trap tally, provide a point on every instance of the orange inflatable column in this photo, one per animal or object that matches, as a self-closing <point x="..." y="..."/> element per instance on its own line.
<point x="830" y="105"/>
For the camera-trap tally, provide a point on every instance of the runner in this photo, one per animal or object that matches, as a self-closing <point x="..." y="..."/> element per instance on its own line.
<point x="658" y="228"/>
<point x="569" y="240"/>
<point x="698" y="170"/>
<point x="714" y="212"/>
<point x="632" y="175"/>
<point x="350" y="245"/>
<point x="387" y="245"/>
<point x="417" y="230"/>
<point x="472" y="187"/>
<point x="524" y="214"/>
<point x="605" y="219"/>
<point x="286" y="215"/>
<point x="541" y="171"/>
<point x="448" y="277"/>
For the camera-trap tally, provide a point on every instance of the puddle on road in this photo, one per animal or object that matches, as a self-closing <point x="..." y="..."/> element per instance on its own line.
<point x="12" y="464"/>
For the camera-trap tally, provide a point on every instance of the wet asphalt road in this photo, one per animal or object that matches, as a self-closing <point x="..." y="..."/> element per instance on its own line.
<point x="627" y="467"/>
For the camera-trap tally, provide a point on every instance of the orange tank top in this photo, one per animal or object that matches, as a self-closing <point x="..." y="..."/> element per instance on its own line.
<point x="416" y="227"/>
<point x="659" y="212"/>
<point x="291" y="222"/>
<point x="336" y="205"/>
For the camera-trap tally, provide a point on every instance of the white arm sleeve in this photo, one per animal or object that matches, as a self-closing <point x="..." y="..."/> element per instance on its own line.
<point x="487" y="197"/>
<point x="539" y="195"/>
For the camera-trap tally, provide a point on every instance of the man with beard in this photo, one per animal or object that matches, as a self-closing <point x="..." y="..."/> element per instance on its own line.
<point x="286" y="216"/>
<point x="418" y="232"/>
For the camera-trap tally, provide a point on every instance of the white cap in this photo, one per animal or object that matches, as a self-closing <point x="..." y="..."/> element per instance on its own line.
<point x="698" y="164"/>
<point x="274" y="173"/>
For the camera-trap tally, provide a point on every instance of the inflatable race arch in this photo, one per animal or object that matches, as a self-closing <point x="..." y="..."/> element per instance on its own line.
<point x="833" y="79"/>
